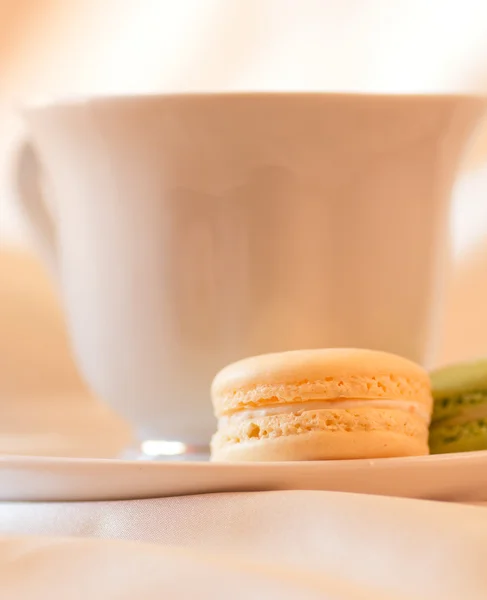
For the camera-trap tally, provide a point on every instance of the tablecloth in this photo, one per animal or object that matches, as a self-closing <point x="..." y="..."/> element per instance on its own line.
<point x="299" y="544"/>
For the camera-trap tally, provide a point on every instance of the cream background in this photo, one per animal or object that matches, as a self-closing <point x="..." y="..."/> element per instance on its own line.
<point x="51" y="47"/>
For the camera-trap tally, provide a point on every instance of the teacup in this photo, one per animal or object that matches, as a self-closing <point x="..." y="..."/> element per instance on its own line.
<point x="189" y="231"/>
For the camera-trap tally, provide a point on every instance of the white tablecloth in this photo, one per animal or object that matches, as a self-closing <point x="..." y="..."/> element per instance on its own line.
<point x="265" y="544"/>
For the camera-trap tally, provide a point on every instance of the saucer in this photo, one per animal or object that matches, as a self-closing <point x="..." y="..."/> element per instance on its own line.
<point x="453" y="477"/>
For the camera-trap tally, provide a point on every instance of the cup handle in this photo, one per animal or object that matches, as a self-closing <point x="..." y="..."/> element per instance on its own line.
<point x="27" y="184"/>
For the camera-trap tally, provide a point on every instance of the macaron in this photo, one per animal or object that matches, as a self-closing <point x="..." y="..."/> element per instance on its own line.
<point x="336" y="403"/>
<point x="459" y="422"/>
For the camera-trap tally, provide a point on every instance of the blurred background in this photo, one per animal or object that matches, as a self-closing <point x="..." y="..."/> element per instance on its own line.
<point x="63" y="47"/>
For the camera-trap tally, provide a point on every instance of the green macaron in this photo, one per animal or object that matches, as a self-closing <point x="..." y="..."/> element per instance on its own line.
<point x="459" y="422"/>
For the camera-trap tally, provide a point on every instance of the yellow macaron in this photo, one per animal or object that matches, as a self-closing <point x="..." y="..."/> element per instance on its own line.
<point x="335" y="403"/>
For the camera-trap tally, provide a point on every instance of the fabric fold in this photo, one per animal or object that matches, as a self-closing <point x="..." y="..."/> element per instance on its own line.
<point x="395" y="547"/>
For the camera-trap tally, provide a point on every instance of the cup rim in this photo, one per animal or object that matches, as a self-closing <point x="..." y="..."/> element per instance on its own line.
<point x="83" y="100"/>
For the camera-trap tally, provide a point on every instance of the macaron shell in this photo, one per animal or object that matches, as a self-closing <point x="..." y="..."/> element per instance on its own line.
<point x="305" y="375"/>
<point x="263" y="405"/>
<point x="323" y="445"/>
<point x="467" y="437"/>
<point x="456" y="380"/>
<point x="459" y="421"/>
<point x="323" y="434"/>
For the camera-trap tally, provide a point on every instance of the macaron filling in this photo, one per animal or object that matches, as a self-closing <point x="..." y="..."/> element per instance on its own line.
<point x="459" y="423"/>
<point x="470" y="403"/>
<point x="475" y="413"/>
<point x="297" y="408"/>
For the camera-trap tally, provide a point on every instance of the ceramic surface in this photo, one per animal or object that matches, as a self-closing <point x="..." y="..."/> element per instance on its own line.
<point x="457" y="477"/>
<point x="188" y="231"/>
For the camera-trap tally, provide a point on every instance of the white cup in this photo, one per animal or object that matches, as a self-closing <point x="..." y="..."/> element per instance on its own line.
<point x="188" y="231"/>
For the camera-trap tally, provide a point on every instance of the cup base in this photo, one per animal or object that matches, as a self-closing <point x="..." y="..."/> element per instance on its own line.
<point x="165" y="450"/>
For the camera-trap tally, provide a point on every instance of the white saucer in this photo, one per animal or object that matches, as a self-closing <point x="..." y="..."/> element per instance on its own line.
<point x="458" y="477"/>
